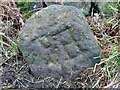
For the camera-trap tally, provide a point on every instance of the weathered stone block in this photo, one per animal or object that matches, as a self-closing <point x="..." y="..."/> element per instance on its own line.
<point x="58" y="41"/>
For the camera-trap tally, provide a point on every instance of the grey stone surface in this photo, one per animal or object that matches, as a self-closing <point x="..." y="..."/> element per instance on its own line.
<point x="58" y="41"/>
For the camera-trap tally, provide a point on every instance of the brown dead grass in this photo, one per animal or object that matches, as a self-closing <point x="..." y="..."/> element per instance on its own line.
<point x="15" y="70"/>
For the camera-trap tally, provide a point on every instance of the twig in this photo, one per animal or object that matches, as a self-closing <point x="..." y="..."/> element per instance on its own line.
<point x="59" y="82"/>
<point x="37" y="81"/>
<point x="34" y="10"/>
<point x="22" y="67"/>
<point x="4" y="15"/>
<point x="8" y="45"/>
<point x="97" y="82"/>
<point x="111" y="84"/>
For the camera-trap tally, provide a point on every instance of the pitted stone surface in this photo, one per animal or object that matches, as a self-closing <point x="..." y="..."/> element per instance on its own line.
<point x="58" y="39"/>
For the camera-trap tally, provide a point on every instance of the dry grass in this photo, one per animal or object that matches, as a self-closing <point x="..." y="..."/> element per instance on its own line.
<point x="15" y="70"/>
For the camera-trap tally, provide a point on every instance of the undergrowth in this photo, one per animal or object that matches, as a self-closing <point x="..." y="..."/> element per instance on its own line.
<point x="103" y="75"/>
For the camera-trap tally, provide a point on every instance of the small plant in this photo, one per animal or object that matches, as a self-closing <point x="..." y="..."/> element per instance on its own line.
<point x="111" y="8"/>
<point x="24" y="8"/>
